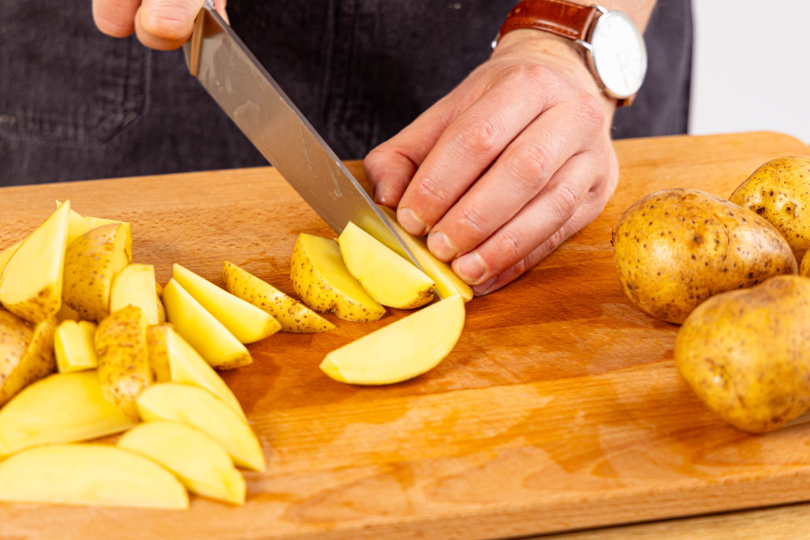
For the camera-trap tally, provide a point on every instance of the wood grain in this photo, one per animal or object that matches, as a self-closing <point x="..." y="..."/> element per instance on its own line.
<point x="560" y="408"/>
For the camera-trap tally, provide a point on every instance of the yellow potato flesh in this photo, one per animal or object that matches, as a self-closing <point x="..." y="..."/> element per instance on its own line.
<point x="89" y="474"/>
<point x="200" y="408"/>
<point x="202" y="330"/>
<point x="402" y="350"/>
<point x="174" y="360"/>
<point x="77" y="226"/>
<point x="246" y="322"/>
<point x="389" y="279"/>
<point x="447" y="282"/>
<point x="126" y="228"/>
<point x="37" y="362"/>
<point x="321" y="279"/>
<point x="91" y="263"/>
<point x="200" y="463"/>
<point x="293" y="316"/>
<point x="6" y="255"/>
<point x="65" y="407"/>
<point x="75" y="346"/>
<point x="31" y="287"/>
<point x="123" y="358"/>
<point x="804" y="270"/>
<point x="135" y="286"/>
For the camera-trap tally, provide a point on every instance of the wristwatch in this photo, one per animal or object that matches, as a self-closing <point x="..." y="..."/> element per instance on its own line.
<point x="611" y="43"/>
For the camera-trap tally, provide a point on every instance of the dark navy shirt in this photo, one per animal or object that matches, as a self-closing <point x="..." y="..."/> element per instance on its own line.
<point x="75" y="104"/>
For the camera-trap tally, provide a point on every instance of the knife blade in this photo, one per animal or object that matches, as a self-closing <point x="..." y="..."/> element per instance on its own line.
<point x="254" y="101"/>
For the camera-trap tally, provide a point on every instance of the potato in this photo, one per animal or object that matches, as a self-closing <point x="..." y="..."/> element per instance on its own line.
<point x="65" y="407"/>
<point x="161" y="309"/>
<point x="89" y="474"/>
<point x="31" y="285"/>
<point x="201" y="464"/>
<point x="402" y="350"/>
<point x="200" y="408"/>
<point x="805" y="269"/>
<point x="447" y="282"/>
<point x="779" y="191"/>
<point x="125" y="227"/>
<point x="293" y="316"/>
<point x="322" y="281"/>
<point x="746" y="354"/>
<point x="6" y="255"/>
<point x="245" y="321"/>
<point x="202" y="330"/>
<point x="134" y="285"/>
<point x="91" y="263"/>
<point x="389" y="278"/>
<point x="675" y="248"/>
<point x="37" y="362"/>
<point x="75" y="346"/>
<point x="123" y="359"/>
<point x="15" y="336"/>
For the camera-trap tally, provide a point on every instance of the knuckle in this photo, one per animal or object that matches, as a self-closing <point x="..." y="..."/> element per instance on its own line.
<point x="166" y="21"/>
<point x="529" y="166"/>
<point x="481" y="135"/>
<point x="509" y="247"/>
<point x="532" y="74"/>
<point x="565" y="200"/>
<point x="590" y="111"/>
<point x="472" y="218"/>
<point x="430" y="189"/>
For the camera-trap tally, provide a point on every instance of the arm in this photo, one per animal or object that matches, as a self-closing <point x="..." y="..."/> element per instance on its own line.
<point x="511" y="163"/>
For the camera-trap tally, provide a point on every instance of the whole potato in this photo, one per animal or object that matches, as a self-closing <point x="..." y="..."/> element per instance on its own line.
<point x="675" y="248"/>
<point x="779" y="191"/>
<point x="746" y="354"/>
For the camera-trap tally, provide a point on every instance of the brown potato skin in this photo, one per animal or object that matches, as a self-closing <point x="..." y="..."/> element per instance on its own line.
<point x="746" y="354"/>
<point x="675" y="248"/>
<point x="779" y="191"/>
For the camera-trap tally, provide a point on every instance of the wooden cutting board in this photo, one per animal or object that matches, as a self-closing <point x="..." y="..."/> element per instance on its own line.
<point x="559" y="409"/>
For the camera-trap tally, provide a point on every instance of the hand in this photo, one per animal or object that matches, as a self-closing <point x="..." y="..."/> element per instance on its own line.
<point x="508" y="165"/>
<point x="159" y="24"/>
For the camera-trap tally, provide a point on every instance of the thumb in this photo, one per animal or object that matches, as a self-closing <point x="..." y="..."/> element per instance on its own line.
<point x="166" y="24"/>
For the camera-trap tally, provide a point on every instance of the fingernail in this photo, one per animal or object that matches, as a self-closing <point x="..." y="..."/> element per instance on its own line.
<point x="481" y="290"/>
<point x="470" y="267"/>
<point x="411" y="222"/>
<point x="441" y="246"/>
<point x="379" y="193"/>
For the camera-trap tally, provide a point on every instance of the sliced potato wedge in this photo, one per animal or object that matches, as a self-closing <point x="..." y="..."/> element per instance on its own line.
<point x="134" y="285"/>
<point x="75" y="346"/>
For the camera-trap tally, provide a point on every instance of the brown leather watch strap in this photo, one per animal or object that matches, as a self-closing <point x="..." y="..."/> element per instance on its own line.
<point x="566" y="19"/>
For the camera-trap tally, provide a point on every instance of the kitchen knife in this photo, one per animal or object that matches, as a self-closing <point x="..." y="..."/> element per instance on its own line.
<point x="253" y="100"/>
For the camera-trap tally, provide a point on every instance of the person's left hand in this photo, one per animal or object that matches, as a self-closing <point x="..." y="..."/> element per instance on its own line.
<point x="508" y="165"/>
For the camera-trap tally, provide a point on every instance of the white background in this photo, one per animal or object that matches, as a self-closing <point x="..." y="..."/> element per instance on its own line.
<point x="751" y="68"/>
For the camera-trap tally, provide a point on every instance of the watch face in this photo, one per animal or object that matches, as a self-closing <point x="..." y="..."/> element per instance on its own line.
<point x="619" y="54"/>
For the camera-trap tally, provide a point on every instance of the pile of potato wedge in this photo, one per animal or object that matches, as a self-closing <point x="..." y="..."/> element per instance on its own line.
<point x="92" y="346"/>
<point x="729" y="271"/>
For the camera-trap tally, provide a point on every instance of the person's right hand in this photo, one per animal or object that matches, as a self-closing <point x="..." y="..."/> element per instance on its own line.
<point x="159" y="24"/>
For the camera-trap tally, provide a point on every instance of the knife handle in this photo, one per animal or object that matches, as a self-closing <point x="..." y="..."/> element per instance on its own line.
<point x="196" y="41"/>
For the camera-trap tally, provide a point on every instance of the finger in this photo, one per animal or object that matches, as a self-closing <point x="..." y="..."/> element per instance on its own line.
<point x="391" y="166"/>
<point x="115" y="18"/>
<point x="470" y="144"/>
<point x="587" y="212"/>
<point x="220" y="6"/>
<point x="538" y="221"/>
<point x="166" y="24"/>
<point x="518" y="175"/>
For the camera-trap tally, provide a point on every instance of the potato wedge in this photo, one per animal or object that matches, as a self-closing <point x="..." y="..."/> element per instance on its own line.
<point x="322" y="281"/>
<point x="293" y="316"/>
<point x="402" y="350"/>
<point x="447" y="282"/>
<point x="6" y="255"/>
<point x="134" y="285"/>
<point x="246" y="322"/>
<point x="37" y="362"/>
<point x="161" y="309"/>
<point x="174" y="360"/>
<point x="805" y="268"/>
<point x="31" y="286"/>
<point x="203" y="410"/>
<point x="77" y="226"/>
<point x="67" y="313"/>
<point x="201" y="464"/>
<point x="126" y="228"/>
<point x="202" y="331"/>
<point x="389" y="279"/>
<point x="15" y="336"/>
<point x="89" y="474"/>
<point x="75" y="346"/>
<point x="92" y="261"/>
<point x="123" y="358"/>
<point x="64" y="407"/>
